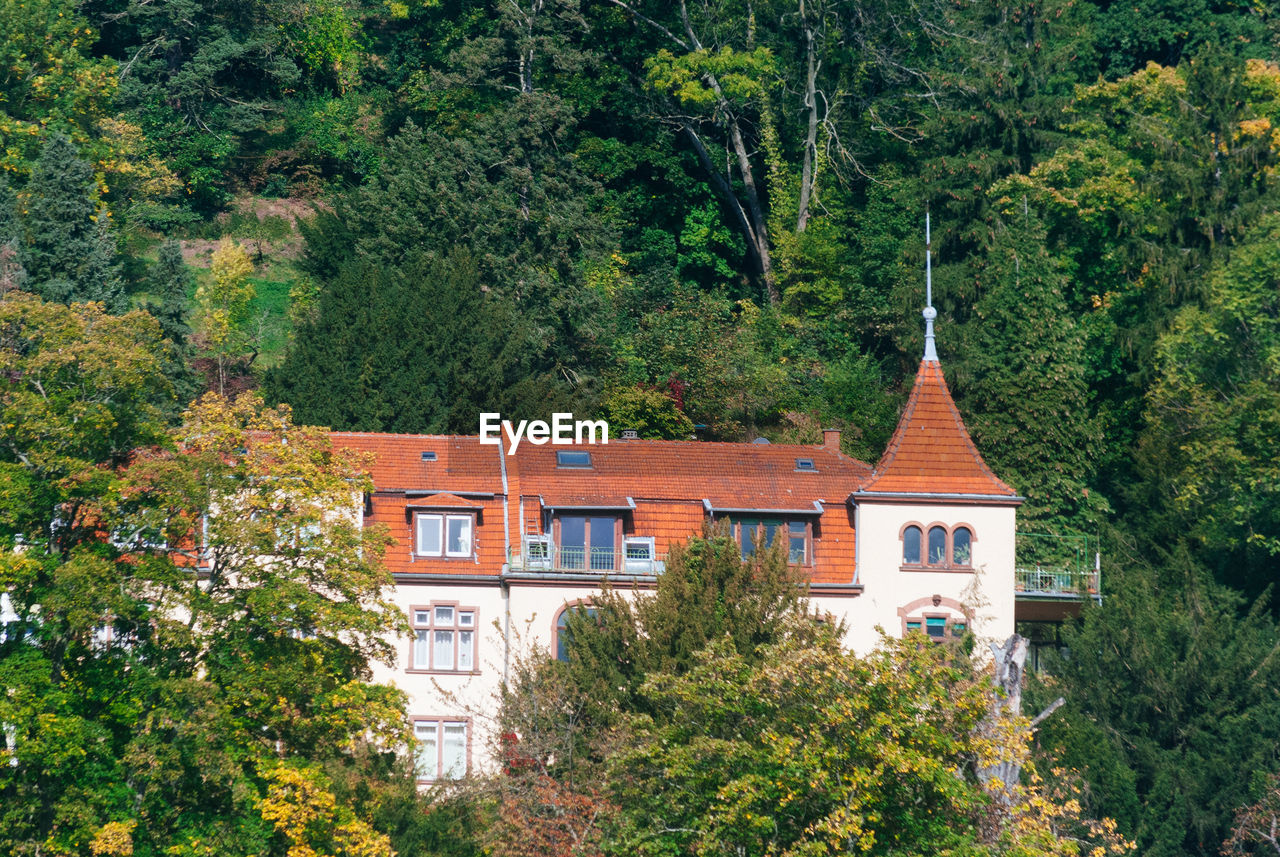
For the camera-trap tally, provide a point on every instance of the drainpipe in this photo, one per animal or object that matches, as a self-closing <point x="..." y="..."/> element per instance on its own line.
<point x="506" y="567"/>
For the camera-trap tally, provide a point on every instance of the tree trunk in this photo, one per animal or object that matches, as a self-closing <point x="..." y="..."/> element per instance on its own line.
<point x="1001" y="776"/>
<point x="811" y="134"/>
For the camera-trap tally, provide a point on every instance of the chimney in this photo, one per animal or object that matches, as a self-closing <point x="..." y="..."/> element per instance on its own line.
<point x="831" y="439"/>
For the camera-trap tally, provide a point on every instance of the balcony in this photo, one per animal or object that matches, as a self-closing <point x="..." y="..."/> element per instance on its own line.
<point x="1054" y="574"/>
<point x="636" y="556"/>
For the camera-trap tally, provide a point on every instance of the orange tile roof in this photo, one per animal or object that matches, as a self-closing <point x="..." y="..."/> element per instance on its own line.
<point x="931" y="452"/>
<point x="729" y="475"/>
<point x="462" y="465"/>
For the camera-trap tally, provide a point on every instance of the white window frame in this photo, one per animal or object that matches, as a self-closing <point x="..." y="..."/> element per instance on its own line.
<point x="465" y="621"/>
<point x="443" y="519"/>
<point x="429" y="771"/>
<point x="647" y="563"/>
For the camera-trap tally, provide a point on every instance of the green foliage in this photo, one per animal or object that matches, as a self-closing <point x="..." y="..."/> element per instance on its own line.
<point x="650" y="413"/>
<point x="151" y="709"/>
<point x="80" y="389"/>
<point x="72" y="253"/>
<point x="1214" y="411"/>
<point x="1170" y="698"/>
<point x="1023" y="388"/>
<point x="53" y="82"/>
<point x="804" y="749"/>
<point x="424" y="349"/>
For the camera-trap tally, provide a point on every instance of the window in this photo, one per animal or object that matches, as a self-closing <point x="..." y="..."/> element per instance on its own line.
<point x="937" y="627"/>
<point x="563" y="638"/>
<point x="588" y="543"/>
<point x="941" y="547"/>
<point x="442" y="749"/>
<point x="911" y="546"/>
<point x="961" y="544"/>
<point x="444" y="638"/>
<point x="428" y="456"/>
<point x="639" y="555"/>
<point x="806" y="464"/>
<point x="752" y="533"/>
<point x="443" y="535"/>
<point x="937" y="545"/>
<point x="569" y="458"/>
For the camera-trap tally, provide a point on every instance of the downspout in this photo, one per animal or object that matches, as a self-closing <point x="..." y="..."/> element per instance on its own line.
<point x="857" y="542"/>
<point x="506" y="567"/>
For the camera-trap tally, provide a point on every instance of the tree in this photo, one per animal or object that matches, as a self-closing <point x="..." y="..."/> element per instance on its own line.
<point x="1023" y="379"/>
<point x="1257" y="827"/>
<point x="154" y="707"/>
<point x="81" y="390"/>
<point x="650" y="413"/>
<point x="172" y="281"/>
<point x="804" y="748"/>
<point x="1168" y="700"/>
<point x="1214" y="408"/>
<point x="72" y="253"/>
<point x="423" y="348"/>
<point x="54" y="81"/>
<point x="223" y="304"/>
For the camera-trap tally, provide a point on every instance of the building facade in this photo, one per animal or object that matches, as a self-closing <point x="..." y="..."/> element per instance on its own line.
<point x="492" y="548"/>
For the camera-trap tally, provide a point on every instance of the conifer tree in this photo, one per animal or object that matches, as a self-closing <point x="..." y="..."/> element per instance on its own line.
<point x="1022" y="382"/>
<point x="171" y="281"/>
<point x="72" y="252"/>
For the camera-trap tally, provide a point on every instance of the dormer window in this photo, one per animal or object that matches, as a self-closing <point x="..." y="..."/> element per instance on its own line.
<point x="443" y="535"/>
<point x="573" y="458"/>
<point x="752" y="533"/>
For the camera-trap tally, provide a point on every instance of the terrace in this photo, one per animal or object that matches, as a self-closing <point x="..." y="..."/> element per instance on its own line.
<point x="1054" y="575"/>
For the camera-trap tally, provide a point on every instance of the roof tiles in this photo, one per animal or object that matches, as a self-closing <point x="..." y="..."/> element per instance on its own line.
<point x="931" y="451"/>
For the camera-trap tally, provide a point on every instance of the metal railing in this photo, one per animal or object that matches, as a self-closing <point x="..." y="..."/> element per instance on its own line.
<point x="541" y="555"/>
<point x="1057" y="566"/>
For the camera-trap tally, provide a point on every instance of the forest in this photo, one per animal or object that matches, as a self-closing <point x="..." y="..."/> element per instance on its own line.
<point x="684" y="216"/>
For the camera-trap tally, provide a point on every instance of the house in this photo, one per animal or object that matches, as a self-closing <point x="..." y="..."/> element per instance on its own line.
<point x="491" y="549"/>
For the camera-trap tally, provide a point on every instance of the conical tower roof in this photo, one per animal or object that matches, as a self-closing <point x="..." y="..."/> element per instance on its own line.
<point x="931" y="451"/>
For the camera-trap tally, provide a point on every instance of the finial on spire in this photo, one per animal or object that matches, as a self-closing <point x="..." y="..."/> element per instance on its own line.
<point x="930" y="353"/>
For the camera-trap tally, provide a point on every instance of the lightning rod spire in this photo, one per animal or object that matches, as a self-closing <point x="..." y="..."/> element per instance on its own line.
<point x="930" y="353"/>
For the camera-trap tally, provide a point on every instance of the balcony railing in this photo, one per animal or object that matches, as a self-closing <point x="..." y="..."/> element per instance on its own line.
<point x="538" y="554"/>
<point x="1056" y="582"/>
<point x="1057" y="566"/>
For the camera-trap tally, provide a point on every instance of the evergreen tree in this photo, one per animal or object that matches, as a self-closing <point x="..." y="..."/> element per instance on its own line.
<point x="1172" y="703"/>
<point x="422" y="348"/>
<point x="72" y="251"/>
<point x="1022" y="381"/>
<point x="172" y="281"/>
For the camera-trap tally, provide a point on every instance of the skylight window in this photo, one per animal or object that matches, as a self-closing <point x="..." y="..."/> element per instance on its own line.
<point x="566" y="458"/>
<point x="428" y="456"/>
<point x="805" y="464"/>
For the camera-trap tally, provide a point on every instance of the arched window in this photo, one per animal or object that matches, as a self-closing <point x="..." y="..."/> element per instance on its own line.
<point x="937" y="545"/>
<point x="563" y="636"/>
<point x="961" y="546"/>
<point x="911" y="546"/>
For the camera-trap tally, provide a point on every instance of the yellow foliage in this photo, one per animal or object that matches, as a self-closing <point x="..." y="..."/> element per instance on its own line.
<point x="114" y="839"/>
<point x="300" y="805"/>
